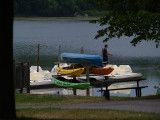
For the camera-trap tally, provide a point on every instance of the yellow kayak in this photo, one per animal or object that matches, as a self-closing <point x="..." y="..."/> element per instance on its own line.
<point x="73" y="72"/>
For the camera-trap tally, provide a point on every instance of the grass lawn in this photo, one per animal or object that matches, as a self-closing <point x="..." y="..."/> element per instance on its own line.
<point x="48" y="99"/>
<point x="82" y="114"/>
<point x="24" y="99"/>
<point x="71" y="114"/>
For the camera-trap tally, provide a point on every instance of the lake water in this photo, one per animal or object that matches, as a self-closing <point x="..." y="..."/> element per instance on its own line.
<point x="72" y="36"/>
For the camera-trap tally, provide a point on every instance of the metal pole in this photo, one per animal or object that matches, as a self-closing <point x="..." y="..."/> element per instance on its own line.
<point x="38" y="58"/>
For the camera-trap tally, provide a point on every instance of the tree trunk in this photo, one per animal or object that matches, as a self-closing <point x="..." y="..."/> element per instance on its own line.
<point x="7" y="104"/>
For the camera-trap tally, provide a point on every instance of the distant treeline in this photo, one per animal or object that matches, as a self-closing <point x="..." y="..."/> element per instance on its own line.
<point x="53" y="8"/>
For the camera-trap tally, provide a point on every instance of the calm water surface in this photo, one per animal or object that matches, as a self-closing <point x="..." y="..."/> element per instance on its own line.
<point x="72" y="36"/>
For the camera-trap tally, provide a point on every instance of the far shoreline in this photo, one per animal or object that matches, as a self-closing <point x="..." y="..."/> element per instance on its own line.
<point x="56" y="18"/>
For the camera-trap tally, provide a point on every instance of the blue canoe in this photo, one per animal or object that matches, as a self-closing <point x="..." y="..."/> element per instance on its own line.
<point x="81" y="58"/>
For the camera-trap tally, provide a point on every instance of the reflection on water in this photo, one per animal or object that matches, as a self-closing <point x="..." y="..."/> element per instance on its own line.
<point x="71" y="36"/>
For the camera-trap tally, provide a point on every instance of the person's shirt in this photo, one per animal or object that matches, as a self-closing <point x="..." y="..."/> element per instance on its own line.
<point x="105" y="56"/>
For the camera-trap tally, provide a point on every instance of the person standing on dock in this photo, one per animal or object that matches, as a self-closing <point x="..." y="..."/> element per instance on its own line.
<point x="105" y="55"/>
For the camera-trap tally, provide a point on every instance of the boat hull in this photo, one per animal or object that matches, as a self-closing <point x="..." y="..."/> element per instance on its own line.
<point x="101" y="71"/>
<point x="82" y="58"/>
<point x="72" y="72"/>
<point x="70" y="85"/>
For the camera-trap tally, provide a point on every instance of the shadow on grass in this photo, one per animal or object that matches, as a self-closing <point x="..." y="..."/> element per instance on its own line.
<point x="25" y="118"/>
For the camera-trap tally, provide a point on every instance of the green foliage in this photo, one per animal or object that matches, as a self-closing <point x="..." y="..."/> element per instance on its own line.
<point x="137" y="18"/>
<point x="50" y="8"/>
<point x="158" y="89"/>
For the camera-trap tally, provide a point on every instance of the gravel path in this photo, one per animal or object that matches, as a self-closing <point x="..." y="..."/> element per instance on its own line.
<point x="150" y="106"/>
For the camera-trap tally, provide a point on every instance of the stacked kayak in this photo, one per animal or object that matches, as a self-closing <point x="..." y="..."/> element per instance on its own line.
<point x="82" y="70"/>
<point x="70" y="84"/>
<point x="73" y="72"/>
<point x="92" y="60"/>
<point x="76" y="70"/>
<point x="101" y="71"/>
<point x="82" y="58"/>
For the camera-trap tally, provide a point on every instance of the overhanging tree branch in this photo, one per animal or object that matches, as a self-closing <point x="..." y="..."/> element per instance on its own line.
<point x="140" y="19"/>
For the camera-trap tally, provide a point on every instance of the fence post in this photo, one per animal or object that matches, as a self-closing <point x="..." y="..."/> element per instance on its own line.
<point x="17" y="76"/>
<point x="22" y="78"/>
<point x="27" y="76"/>
<point x="21" y="73"/>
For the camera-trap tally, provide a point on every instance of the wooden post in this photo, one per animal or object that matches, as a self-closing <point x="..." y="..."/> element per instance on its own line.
<point x="106" y="93"/>
<point x="59" y="51"/>
<point x="101" y="91"/>
<point x="87" y="77"/>
<point x="82" y="50"/>
<point x="22" y="78"/>
<point x="102" y="52"/>
<point x="74" y="90"/>
<point x="28" y="77"/>
<point x="18" y="76"/>
<point x="138" y="90"/>
<point x="38" y="58"/>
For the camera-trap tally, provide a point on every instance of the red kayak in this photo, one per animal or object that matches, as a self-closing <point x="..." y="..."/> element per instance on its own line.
<point x="101" y="71"/>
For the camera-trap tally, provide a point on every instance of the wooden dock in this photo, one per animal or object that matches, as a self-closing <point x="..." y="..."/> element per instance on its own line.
<point x="22" y="81"/>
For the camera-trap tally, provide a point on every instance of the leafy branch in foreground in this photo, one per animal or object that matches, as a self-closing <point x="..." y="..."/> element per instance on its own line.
<point x="143" y="26"/>
<point x="140" y="19"/>
<point x="158" y="89"/>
